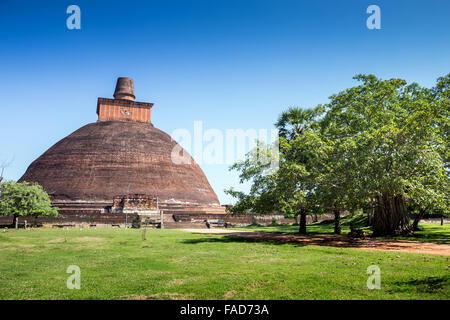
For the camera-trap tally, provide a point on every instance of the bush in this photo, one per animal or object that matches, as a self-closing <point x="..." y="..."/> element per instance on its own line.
<point x="24" y="199"/>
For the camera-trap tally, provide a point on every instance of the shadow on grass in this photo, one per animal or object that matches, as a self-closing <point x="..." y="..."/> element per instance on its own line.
<point x="234" y="239"/>
<point x="428" y="233"/>
<point x="428" y="285"/>
<point x="303" y="241"/>
<point x="316" y="228"/>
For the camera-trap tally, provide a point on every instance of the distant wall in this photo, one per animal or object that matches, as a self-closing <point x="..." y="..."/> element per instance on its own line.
<point x="265" y="219"/>
<point x="96" y="216"/>
<point x="86" y="217"/>
<point x="253" y="218"/>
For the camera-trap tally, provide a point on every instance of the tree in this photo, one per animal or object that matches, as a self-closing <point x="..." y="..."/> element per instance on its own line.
<point x="261" y="198"/>
<point x="288" y="190"/>
<point x="24" y="199"/>
<point x="389" y="146"/>
<point x="439" y="95"/>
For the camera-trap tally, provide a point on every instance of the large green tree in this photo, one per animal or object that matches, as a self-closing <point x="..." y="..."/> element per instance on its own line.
<point x="431" y="194"/>
<point x="24" y="199"/>
<point x="382" y="145"/>
<point x="388" y="142"/>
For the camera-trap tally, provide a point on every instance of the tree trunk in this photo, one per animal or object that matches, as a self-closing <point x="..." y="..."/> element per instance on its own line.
<point x="337" y="221"/>
<point x="390" y="216"/>
<point x="302" y="228"/>
<point x="442" y="220"/>
<point x="418" y="217"/>
<point x="15" y="217"/>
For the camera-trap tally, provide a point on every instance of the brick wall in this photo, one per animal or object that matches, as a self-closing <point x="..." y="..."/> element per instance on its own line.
<point x="85" y="217"/>
<point x="118" y="109"/>
<point x="263" y="219"/>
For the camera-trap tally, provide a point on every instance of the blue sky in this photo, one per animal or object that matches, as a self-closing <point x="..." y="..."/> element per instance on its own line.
<point x="230" y="64"/>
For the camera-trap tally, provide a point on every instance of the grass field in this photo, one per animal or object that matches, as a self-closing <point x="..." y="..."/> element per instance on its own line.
<point x="173" y="264"/>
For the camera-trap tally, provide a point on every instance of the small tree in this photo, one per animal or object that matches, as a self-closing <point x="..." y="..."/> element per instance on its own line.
<point x="429" y="198"/>
<point x="290" y="188"/>
<point x="24" y="199"/>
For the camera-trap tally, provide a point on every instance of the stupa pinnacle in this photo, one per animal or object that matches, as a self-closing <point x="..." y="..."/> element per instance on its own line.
<point x="124" y="89"/>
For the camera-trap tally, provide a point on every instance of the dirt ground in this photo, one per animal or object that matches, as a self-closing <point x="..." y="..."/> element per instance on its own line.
<point x="338" y="241"/>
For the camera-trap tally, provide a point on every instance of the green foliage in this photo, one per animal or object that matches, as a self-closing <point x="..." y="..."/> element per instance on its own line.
<point x="287" y="190"/>
<point x="387" y="139"/>
<point x="24" y="199"/>
<point x="256" y="168"/>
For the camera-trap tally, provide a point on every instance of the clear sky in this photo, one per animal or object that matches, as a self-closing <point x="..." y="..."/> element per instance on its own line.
<point x="230" y="64"/>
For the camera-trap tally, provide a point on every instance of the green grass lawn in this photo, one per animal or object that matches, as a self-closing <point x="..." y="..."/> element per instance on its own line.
<point x="428" y="232"/>
<point x="172" y="264"/>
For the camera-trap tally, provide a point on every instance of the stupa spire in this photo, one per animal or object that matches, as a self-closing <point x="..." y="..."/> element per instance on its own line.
<point x="123" y="107"/>
<point x="124" y="89"/>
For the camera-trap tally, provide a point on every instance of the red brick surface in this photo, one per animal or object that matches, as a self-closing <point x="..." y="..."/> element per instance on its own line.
<point x="99" y="160"/>
<point x="119" y="109"/>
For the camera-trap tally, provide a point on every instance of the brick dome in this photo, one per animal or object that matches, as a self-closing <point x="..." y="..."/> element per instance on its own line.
<point x="99" y="161"/>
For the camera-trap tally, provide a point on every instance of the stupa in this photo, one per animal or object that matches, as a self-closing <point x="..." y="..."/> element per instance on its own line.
<point x="121" y="155"/>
